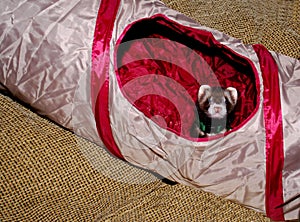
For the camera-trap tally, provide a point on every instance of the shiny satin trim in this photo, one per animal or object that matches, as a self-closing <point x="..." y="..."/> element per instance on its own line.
<point x="274" y="134"/>
<point x="100" y="72"/>
<point x="289" y="74"/>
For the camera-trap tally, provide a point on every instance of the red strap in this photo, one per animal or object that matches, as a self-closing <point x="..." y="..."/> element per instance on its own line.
<point x="274" y="133"/>
<point x="100" y="74"/>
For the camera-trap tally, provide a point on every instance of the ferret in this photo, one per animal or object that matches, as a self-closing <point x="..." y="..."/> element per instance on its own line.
<point x="214" y="105"/>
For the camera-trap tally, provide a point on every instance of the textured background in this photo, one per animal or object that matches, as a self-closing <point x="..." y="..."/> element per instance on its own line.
<point x="49" y="174"/>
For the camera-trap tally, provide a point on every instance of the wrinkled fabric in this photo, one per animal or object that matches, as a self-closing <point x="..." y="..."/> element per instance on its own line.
<point x="45" y="56"/>
<point x="274" y="133"/>
<point x="93" y="72"/>
<point x="100" y="73"/>
<point x="225" y="165"/>
<point x="200" y="61"/>
<point x="289" y="77"/>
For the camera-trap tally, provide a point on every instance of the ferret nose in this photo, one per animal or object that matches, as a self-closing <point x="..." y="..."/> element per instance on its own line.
<point x="218" y="109"/>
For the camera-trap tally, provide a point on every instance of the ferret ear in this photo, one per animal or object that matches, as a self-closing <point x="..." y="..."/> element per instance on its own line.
<point x="232" y="95"/>
<point x="204" y="93"/>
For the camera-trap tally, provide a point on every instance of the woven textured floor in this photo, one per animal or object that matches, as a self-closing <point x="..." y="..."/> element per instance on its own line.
<point x="49" y="174"/>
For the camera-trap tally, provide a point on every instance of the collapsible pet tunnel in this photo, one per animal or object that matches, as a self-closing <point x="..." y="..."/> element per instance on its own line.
<point x="125" y="74"/>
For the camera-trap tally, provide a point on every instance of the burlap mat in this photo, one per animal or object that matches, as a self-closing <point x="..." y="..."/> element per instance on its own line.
<point x="49" y="174"/>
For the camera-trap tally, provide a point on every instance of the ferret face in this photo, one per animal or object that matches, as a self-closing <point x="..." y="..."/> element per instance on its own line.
<point x="216" y="102"/>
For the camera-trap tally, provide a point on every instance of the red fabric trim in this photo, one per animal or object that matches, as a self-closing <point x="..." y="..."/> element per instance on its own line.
<point x="100" y="74"/>
<point x="274" y="133"/>
<point x="146" y="55"/>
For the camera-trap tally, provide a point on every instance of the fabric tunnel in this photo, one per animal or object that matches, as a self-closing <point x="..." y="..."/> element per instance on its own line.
<point x="125" y="74"/>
